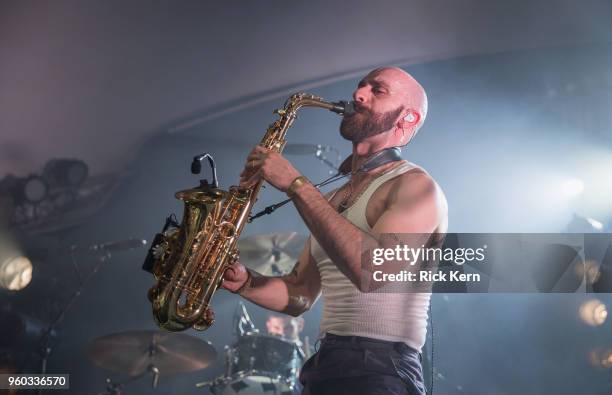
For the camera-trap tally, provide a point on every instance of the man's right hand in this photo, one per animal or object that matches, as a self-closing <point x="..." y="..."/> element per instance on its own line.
<point x="234" y="277"/>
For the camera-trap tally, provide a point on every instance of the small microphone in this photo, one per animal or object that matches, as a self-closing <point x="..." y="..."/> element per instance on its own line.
<point x="196" y="165"/>
<point x="196" y="168"/>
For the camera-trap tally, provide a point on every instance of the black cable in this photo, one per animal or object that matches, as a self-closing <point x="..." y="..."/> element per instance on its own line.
<point x="270" y="209"/>
<point x="387" y="155"/>
<point x="432" y="345"/>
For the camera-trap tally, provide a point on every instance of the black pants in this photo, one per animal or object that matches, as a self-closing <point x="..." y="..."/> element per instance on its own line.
<point x="362" y="366"/>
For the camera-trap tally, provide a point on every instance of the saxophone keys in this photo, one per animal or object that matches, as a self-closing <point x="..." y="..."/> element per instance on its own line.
<point x="234" y="255"/>
<point x="206" y="321"/>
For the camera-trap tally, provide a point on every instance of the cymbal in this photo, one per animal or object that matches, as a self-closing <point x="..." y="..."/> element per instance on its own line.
<point x="134" y="351"/>
<point x="273" y="254"/>
<point x="304" y="149"/>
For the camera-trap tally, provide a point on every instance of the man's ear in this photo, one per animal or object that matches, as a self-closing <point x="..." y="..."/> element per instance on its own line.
<point x="411" y="119"/>
<point x="407" y="126"/>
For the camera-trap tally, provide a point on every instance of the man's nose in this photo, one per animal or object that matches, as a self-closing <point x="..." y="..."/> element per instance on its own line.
<point x="360" y="95"/>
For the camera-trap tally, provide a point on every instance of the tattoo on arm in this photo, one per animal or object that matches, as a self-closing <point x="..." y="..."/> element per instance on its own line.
<point x="297" y="304"/>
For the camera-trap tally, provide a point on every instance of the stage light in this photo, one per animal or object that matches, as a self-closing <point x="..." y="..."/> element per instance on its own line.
<point x="65" y="173"/>
<point x="15" y="273"/>
<point x="590" y="271"/>
<point x="34" y="189"/>
<point x="595" y="223"/>
<point x="593" y="312"/>
<point x="601" y="358"/>
<point x="580" y="224"/>
<point x="573" y="187"/>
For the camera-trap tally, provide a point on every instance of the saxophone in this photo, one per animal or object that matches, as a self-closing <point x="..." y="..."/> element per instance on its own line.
<point x="188" y="259"/>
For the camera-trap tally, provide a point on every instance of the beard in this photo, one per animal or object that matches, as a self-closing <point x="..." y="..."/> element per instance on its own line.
<point x="361" y="125"/>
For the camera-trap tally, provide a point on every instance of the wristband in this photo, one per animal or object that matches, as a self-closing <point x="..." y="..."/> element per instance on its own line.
<point x="246" y="284"/>
<point x="295" y="185"/>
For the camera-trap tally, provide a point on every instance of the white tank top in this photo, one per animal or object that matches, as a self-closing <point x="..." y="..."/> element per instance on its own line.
<point x="399" y="317"/>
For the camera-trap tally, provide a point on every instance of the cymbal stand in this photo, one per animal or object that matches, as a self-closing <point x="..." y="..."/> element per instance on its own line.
<point x="44" y="348"/>
<point x="319" y="154"/>
<point x="115" y="388"/>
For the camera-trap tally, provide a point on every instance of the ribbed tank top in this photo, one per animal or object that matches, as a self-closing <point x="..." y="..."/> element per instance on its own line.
<point x="400" y="317"/>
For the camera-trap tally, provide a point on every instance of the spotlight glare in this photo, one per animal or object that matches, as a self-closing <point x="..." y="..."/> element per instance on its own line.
<point x="573" y="187"/>
<point x="595" y="223"/>
<point x="593" y="312"/>
<point x="15" y="273"/>
<point x="601" y="358"/>
<point x="590" y="271"/>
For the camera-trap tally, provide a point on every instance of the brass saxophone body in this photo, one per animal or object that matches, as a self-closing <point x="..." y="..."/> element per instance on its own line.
<point x="188" y="260"/>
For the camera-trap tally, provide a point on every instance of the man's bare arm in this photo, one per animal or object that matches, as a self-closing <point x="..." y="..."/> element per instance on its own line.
<point x="415" y="208"/>
<point x="291" y="294"/>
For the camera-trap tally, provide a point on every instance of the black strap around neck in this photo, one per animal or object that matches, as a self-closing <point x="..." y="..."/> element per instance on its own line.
<point x="382" y="158"/>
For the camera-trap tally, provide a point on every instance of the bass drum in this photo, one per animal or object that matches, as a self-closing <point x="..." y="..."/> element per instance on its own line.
<point x="258" y="365"/>
<point x="254" y="383"/>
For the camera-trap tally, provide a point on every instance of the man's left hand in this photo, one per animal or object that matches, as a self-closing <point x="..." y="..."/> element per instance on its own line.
<point x="269" y="165"/>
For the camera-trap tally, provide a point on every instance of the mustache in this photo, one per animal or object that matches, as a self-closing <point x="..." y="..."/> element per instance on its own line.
<point x="359" y="108"/>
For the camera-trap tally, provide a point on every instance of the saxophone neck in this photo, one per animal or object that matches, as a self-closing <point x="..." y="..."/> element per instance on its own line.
<point x="301" y="99"/>
<point x="275" y="136"/>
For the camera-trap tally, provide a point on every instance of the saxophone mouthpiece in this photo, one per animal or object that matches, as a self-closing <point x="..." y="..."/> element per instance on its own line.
<point x="343" y="108"/>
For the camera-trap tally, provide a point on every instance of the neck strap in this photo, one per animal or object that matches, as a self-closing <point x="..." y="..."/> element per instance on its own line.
<point x="381" y="158"/>
<point x="378" y="159"/>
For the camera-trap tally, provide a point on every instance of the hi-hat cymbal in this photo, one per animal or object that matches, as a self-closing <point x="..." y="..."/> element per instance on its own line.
<point x="273" y="254"/>
<point x="133" y="352"/>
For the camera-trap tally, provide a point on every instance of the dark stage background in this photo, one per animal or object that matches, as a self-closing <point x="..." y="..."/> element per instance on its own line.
<point x="508" y="128"/>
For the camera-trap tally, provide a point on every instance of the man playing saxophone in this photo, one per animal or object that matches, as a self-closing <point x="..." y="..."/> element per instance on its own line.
<point x="371" y="341"/>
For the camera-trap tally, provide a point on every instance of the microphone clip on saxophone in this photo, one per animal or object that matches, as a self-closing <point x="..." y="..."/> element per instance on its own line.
<point x="196" y="168"/>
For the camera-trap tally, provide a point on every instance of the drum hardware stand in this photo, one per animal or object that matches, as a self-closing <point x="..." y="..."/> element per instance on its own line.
<point x="242" y="319"/>
<point x="45" y="349"/>
<point x="243" y="371"/>
<point x="44" y="344"/>
<point x="211" y="384"/>
<point x="229" y="356"/>
<point x="320" y="156"/>
<point x="115" y="388"/>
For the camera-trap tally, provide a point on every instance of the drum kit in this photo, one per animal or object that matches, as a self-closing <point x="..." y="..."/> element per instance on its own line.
<point x="255" y="364"/>
<point x="258" y="364"/>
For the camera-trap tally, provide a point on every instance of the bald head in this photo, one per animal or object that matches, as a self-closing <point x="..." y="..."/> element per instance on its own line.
<point x="386" y="100"/>
<point x="411" y="94"/>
